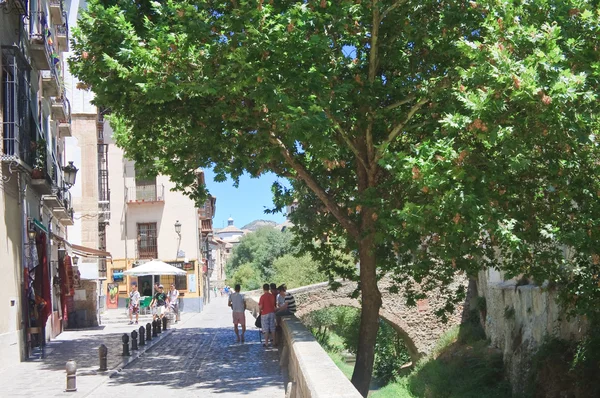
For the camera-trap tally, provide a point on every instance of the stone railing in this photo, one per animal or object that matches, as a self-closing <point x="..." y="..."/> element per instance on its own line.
<point x="310" y="371"/>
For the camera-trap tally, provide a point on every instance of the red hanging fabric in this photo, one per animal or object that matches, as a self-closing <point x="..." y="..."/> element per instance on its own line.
<point x="64" y="286"/>
<point x="43" y="299"/>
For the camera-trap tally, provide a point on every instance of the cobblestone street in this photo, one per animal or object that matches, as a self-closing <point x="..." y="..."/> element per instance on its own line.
<point x="200" y="358"/>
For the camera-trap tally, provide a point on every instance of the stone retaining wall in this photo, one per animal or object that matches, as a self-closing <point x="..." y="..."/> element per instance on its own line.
<point x="310" y="371"/>
<point x="518" y="319"/>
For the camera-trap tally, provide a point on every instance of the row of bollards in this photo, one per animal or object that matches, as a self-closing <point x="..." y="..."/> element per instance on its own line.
<point x="144" y="334"/>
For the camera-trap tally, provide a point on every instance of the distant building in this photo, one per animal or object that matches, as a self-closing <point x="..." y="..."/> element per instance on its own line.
<point x="231" y="236"/>
<point x="149" y="220"/>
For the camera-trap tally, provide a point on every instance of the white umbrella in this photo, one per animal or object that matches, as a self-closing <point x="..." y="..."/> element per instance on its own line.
<point x="154" y="267"/>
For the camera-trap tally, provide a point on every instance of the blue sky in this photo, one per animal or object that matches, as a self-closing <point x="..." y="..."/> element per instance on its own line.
<point x="246" y="203"/>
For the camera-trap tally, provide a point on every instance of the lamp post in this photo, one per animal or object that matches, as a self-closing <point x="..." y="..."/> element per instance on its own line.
<point x="70" y="174"/>
<point x="178" y="232"/>
<point x="31" y="232"/>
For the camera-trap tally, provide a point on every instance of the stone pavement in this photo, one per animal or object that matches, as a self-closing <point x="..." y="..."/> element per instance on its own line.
<point x="199" y="358"/>
<point x="202" y="359"/>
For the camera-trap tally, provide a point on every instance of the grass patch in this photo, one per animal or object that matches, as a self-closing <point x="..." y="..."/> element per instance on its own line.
<point x="346" y="368"/>
<point x="461" y="366"/>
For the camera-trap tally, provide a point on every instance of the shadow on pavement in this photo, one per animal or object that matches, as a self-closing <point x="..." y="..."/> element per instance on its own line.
<point x="206" y="359"/>
<point x="83" y="350"/>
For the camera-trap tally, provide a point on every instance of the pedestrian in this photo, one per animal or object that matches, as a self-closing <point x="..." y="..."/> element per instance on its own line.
<point x="159" y="302"/>
<point x="238" y="305"/>
<point x="274" y="291"/>
<point x="134" y="303"/>
<point x="266" y="304"/>
<point x="153" y="307"/>
<point x="215" y="290"/>
<point x="286" y="303"/>
<point x="173" y="300"/>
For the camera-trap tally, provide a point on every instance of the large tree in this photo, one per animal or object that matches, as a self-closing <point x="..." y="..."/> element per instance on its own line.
<point x="427" y="137"/>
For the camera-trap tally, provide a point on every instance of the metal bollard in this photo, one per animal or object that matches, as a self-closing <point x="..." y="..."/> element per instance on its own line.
<point x="149" y="332"/>
<point x="125" y="339"/>
<point x="158" y="326"/>
<point x="102" y="356"/>
<point x="71" y="368"/>
<point x="134" y="336"/>
<point x="164" y="322"/>
<point x="154" y="332"/>
<point x="142" y="334"/>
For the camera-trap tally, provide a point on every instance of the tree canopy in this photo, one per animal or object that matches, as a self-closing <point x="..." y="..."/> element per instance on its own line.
<point x="260" y="249"/>
<point x="426" y="138"/>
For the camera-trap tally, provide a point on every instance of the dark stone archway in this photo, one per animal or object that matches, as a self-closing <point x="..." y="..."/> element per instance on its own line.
<point x="419" y="326"/>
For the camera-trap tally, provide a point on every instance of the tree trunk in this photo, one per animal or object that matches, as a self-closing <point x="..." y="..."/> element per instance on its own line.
<point x="369" y="316"/>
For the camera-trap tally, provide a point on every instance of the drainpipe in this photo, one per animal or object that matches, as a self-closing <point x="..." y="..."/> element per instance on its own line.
<point x="198" y="250"/>
<point x="125" y="219"/>
<point x="24" y="307"/>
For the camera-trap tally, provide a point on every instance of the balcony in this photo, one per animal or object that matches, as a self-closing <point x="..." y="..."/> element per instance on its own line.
<point x="146" y="194"/>
<point x="64" y="128"/>
<point x="206" y="226"/>
<point x="50" y="84"/>
<point x="43" y="170"/>
<point x="58" y="110"/>
<point x="20" y="6"/>
<point x="56" y="11"/>
<point x="62" y="36"/>
<point x="64" y="125"/>
<point x="18" y="148"/>
<point x="39" y="48"/>
<point x="60" y="202"/>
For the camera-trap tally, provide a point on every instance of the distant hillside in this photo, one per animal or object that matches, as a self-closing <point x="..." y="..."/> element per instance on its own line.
<point x="256" y="224"/>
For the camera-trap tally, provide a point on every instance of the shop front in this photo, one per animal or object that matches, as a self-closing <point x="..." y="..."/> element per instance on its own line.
<point x="119" y="285"/>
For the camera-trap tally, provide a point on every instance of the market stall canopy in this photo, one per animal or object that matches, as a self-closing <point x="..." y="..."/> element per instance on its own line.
<point x="78" y="250"/>
<point x="154" y="267"/>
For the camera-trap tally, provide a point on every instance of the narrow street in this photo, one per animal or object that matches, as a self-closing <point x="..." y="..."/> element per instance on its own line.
<point x="202" y="359"/>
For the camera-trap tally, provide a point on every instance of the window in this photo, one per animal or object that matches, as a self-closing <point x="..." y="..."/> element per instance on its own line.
<point x="145" y="188"/>
<point x="146" y="238"/>
<point x="181" y="282"/>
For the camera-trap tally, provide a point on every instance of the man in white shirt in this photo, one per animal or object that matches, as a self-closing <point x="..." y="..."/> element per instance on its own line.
<point x="238" y="305"/>
<point x="173" y="300"/>
<point x="134" y="303"/>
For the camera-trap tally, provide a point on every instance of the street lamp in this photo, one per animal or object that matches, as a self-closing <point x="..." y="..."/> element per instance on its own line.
<point x="178" y="227"/>
<point x="31" y="232"/>
<point x="70" y="173"/>
<point x="75" y="260"/>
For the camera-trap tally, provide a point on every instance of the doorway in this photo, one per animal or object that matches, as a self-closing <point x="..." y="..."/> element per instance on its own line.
<point x="145" y="285"/>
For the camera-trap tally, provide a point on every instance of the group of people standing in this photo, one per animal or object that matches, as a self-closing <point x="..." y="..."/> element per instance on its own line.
<point x="161" y="302"/>
<point x="274" y="303"/>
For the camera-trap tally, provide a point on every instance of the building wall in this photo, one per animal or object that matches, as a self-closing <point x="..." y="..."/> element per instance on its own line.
<point x="11" y="330"/>
<point x="122" y="231"/>
<point x="19" y="199"/>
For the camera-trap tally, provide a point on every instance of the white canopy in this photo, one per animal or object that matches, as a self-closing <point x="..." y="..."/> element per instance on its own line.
<point x="154" y="267"/>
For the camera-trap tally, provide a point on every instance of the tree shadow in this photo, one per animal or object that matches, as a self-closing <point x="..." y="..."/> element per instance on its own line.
<point x="83" y="350"/>
<point x="206" y="359"/>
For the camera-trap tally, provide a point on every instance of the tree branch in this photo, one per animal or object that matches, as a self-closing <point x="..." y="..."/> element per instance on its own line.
<point x="391" y="8"/>
<point x="345" y="137"/>
<point x="373" y="61"/>
<point x="400" y="103"/>
<point x="399" y="127"/>
<point x="333" y="207"/>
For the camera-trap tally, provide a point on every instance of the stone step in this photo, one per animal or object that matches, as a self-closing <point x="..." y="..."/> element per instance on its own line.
<point x="124" y="320"/>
